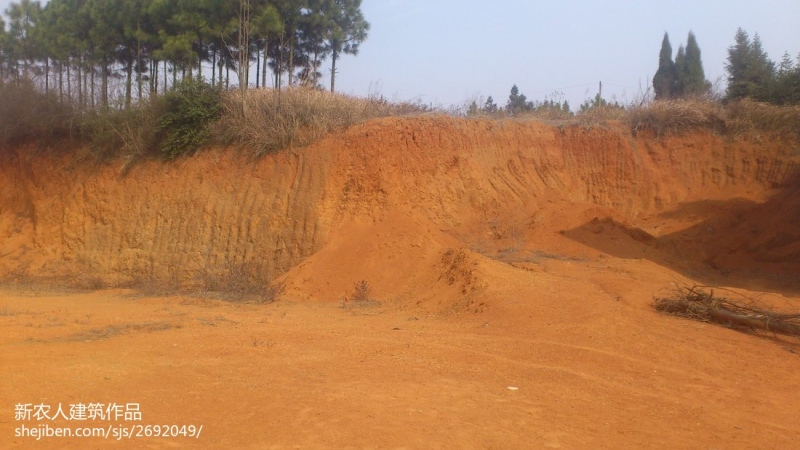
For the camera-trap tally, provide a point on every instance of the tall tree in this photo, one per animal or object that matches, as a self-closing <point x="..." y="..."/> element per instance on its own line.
<point x="680" y="69"/>
<point x="244" y="47"/>
<point x="750" y="72"/>
<point x="349" y="29"/>
<point x="665" y="79"/>
<point x="786" y="89"/>
<point x="3" y="50"/>
<point x="265" y="22"/>
<point x="691" y="79"/>
<point x="22" y="17"/>
<point x="133" y="20"/>
<point x="283" y="46"/>
<point x="312" y="40"/>
<point x="105" y="34"/>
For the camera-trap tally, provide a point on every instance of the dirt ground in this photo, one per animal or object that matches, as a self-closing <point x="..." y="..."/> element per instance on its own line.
<point x="512" y="268"/>
<point x="568" y="355"/>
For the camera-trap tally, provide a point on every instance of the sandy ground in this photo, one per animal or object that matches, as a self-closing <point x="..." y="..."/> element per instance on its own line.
<point x="566" y="354"/>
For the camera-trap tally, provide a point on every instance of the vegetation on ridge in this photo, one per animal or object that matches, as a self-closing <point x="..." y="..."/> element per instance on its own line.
<point x="153" y="77"/>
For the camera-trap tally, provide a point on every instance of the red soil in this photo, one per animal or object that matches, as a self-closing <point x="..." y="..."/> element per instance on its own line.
<point x="502" y="254"/>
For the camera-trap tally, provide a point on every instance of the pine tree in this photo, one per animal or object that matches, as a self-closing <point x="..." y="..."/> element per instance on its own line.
<point x="490" y="106"/>
<point x="22" y="18"/>
<point x="349" y="30"/>
<point x="786" y="89"/>
<point x="750" y="72"/>
<point x="664" y="80"/>
<point x="517" y="103"/>
<point x="3" y="46"/>
<point x="473" y="109"/>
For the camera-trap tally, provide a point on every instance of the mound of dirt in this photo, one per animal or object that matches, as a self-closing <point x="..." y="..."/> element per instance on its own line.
<point x="420" y="208"/>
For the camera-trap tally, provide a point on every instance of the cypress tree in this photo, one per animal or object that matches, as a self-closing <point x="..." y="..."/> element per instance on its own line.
<point x="680" y="69"/>
<point x="691" y="78"/>
<point x="664" y="80"/>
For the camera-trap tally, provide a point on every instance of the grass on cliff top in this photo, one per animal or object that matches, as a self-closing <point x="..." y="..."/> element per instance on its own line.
<point x="195" y="115"/>
<point x="270" y="120"/>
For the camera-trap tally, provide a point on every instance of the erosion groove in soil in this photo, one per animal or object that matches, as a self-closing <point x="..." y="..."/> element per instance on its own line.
<point x="431" y="184"/>
<point x="422" y="267"/>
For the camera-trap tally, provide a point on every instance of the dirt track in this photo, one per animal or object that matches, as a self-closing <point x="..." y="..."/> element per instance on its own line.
<point x="502" y="254"/>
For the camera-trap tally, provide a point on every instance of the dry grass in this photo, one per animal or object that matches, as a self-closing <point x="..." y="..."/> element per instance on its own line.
<point x="600" y="116"/>
<point x="677" y="116"/>
<point x="239" y="282"/>
<point x="129" y="134"/>
<point x="747" y="116"/>
<point x="272" y="120"/>
<point x="734" y="118"/>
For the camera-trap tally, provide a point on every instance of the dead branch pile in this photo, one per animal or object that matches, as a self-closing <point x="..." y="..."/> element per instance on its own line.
<point x="698" y="304"/>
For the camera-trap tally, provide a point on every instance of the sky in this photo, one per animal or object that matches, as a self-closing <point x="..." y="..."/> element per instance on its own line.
<point x="449" y="52"/>
<point x="452" y="51"/>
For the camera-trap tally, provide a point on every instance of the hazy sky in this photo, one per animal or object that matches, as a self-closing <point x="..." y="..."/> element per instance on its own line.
<point x="449" y="51"/>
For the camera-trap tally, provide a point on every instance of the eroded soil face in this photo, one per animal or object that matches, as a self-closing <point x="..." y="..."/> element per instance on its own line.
<point x="511" y="269"/>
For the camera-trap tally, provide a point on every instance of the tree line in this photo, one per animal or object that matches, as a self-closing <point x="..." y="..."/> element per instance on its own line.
<point x="750" y="72"/>
<point x="74" y="48"/>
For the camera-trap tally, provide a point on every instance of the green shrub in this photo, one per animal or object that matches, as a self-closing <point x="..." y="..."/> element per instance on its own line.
<point x="188" y="112"/>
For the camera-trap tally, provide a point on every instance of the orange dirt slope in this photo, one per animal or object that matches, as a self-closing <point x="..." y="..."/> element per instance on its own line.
<point x="498" y="253"/>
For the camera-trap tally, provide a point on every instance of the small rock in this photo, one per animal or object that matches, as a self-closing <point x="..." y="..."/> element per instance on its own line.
<point x="513" y="388"/>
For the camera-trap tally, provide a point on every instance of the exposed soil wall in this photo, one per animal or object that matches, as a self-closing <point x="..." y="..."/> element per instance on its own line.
<point x="465" y="181"/>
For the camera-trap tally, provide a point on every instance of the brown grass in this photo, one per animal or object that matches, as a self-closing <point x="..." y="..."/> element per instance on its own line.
<point x="734" y="118"/>
<point x="747" y="116"/>
<point x="677" y="116"/>
<point x="270" y="120"/>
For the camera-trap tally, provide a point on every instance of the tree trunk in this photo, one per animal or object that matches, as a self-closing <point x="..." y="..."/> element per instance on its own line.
<point x="69" y="79"/>
<point x="264" y="67"/>
<point x="291" y="61"/>
<point x="153" y="76"/>
<point x="214" y="66"/>
<point x="220" y="63"/>
<point x="85" y="82"/>
<point x="61" y="81"/>
<point x="258" y="65"/>
<point x="129" y="81"/>
<point x="80" y="80"/>
<point x="200" y="60"/>
<point x="138" y="63"/>
<point x="333" y="72"/>
<point x="92" y="85"/>
<point x="104" y="82"/>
